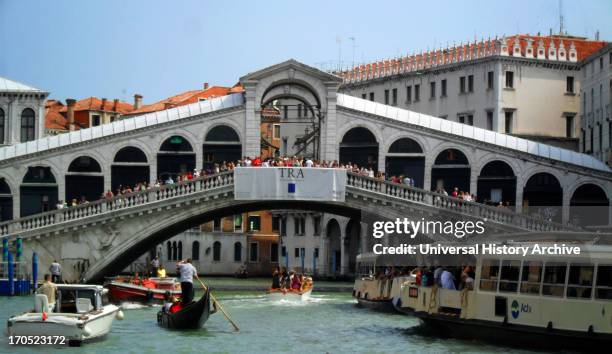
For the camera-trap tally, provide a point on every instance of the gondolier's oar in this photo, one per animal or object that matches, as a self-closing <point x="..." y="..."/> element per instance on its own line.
<point x="219" y="306"/>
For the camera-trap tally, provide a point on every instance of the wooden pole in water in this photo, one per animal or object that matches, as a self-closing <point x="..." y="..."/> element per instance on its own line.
<point x="219" y="306"/>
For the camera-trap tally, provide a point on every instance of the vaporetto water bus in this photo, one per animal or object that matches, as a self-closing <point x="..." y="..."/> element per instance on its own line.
<point x="535" y="300"/>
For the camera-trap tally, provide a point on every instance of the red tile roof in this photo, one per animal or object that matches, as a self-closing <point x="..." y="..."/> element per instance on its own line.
<point x="95" y="104"/>
<point x="54" y="120"/>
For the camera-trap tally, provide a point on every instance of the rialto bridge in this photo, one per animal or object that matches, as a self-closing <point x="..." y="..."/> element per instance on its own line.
<point x="528" y="177"/>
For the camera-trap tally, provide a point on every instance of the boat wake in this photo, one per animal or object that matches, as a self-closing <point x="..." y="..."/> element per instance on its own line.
<point x="134" y="306"/>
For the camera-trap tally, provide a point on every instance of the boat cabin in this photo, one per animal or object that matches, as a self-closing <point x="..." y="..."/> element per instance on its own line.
<point x="77" y="298"/>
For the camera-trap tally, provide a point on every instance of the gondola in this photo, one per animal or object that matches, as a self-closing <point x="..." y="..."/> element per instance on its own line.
<point x="192" y="316"/>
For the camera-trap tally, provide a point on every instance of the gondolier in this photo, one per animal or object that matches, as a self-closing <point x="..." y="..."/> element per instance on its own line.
<point x="187" y="272"/>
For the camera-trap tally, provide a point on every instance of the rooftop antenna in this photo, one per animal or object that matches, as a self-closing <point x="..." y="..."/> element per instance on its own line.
<point x="353" y="40"/>
<point x="561" y="17"/>
<point x="339" y="42"/>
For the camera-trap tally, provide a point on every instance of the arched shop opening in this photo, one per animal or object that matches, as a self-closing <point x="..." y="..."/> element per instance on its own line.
<point x="130" y="167"/>
<point x="353" y="243"/>
<point x="38" y="191"/>
<point x="497" y="184"/>
<point x="175" y="157"/>
<point x="405" y="157"/>
<point x="589" y="206"/>
<point x="84" y="179"/>
<point x="359" y="146"/>
<point x="6" y="201"/>
<point x="334" y="249"/>
<point x="451" y="170"/>
<point x="543" y="195"/>
<point x="221" y="143"/>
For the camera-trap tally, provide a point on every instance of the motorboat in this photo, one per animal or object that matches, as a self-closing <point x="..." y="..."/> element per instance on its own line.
<point x="81" y="314"/>
<point x="146" y="291"/>
<point x="290" y="294"/>
<point x="190" y="316"/>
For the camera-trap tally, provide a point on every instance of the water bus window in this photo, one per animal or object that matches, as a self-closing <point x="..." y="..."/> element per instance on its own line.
<point x="603" y="289"/>
<point x="531" y="277"/>
<point x="554" y="279"/>
<point x="489" y="275"/>
<point x="509" y="276"/>
<point x="580" y="281"/>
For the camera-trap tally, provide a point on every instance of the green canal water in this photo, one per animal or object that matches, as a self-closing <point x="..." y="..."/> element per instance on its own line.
<point x="328" y="323"/>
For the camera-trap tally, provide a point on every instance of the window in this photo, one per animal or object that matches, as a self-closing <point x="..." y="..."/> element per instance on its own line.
<point x="237" y="252"/>
<point x="531" y="277"/>
<point x="408" y="94"/>
<point x="508" y="122"/>
<point x="554" y="279"/>
<point x="316" y="252"/>
<point x="283" y="227"/>
<point x="1" y="126"/>
<point x="394" y="97"/>
<point x="466" y="119"/>
<point x="364" y="96"/>
<point x="276" y="131"/>
<point x="95" y="120"/>
<point x="254" y="223"/>
<point x="601" y="63"/>
<point x="180" y="250"/>
<point x="174" y="254"/>
<point x="371" y="96"/>
<point x="471" y="83"/>
<point x="168" y="251"/>
<point x="276" y="223"/>
<point x="603" y="288"/>
<point x="299" y="111"/>
<point x="462" y="84"/>
<point x="443" y="88"/>
<point x="238" y="222"/>
<point x="432" y="90"/>
<point x="509" y="79"/>
<point x="569" y="84"/>
<point x="217" y="225"/>
<point x="195" y="250"/>
<point x="508" y="280"/>
<point x="580" y="281"/>
<point x="286" y="111"/>
<point x="299" y="224"/>
<point x="316" y="223"/>
<point x="217" y="251"/>
<point x="592" y="139"/>
<point x="490" y="81"/>
<point x="27" y="125"/>
<point x="274" y="252"/>
<point x="417" y="92"/>
<point x="489" y="273"/>
<point x="296" y="252"/>
<point x="569" y="126"/>
<point x="489" y="120"/>
<point x="386" y="96"/>
<point x="254" y="252"/>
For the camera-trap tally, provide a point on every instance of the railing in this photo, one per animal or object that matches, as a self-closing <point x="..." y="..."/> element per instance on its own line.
<point x="226" y="179"/>
<point x="478" y="210"/>
<point x="120" y="202"/>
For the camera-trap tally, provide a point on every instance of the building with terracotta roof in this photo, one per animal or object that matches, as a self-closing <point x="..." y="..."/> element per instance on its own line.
<point x="185" y="98"/>
<point x="55" y="122"/>
<point x="22" y="112"/>
<point x="522" y="85"/>
<point x="596" y="105"/>
<point x="93" y="111"/>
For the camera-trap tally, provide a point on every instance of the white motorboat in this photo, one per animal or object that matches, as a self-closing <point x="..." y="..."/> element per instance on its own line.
<point x="289" y="295"/>
<point x="81" y="314"/>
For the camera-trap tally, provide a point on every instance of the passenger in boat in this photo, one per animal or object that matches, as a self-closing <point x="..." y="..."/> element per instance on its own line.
<point x="161" y="271"/>
<point x="135" y="279"/>
<point x="188" y="272"/>
<point x="296" y="285"/>
<point x="285" y="279"/>
<point x="437" y="275"/>
<point x="169" y="300"/>
<point x="276" y="279"/>
<point x="448" y="280"/>
<point x="49" y="289"/>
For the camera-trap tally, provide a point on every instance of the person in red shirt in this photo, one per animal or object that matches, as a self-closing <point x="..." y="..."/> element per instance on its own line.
<point x="455" y="192"/>
<point x="256" y="162"/>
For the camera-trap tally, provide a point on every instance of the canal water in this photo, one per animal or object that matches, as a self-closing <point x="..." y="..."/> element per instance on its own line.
<point x="328" y="323"/>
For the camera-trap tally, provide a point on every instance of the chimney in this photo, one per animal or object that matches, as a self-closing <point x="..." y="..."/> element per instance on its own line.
<point x="167" y="105"/>
<point x="115" y="104"/>
<point x="206" y="86"/>
<point x="70" y="112"/>
<point x="103" y="104"/>
<point x="137" y="101"/>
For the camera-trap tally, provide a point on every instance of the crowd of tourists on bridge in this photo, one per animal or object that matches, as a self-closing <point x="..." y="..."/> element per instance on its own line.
<point x="295" y="161"/>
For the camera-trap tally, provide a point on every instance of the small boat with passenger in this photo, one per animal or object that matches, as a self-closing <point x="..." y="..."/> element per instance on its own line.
<point x="81" y="314"/>
<point x="146" y="291"/>
<point x="189" y="316"/>
<point x="290" y="286"/>
<point x="535" y="300"/>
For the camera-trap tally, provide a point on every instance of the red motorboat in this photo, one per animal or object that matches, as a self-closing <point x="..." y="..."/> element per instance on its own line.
<point x="147" y="291"/>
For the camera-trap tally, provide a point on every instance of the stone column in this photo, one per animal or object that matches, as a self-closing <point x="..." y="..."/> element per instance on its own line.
<point x="364" y="238"/>
<point x="153" y="169"/>
<point x="329" y="148"/>
<point x="427" y="173"/>
<point x="252" y="145"/>
<point x="519" y="195"/>
<point x="565" y="208"/>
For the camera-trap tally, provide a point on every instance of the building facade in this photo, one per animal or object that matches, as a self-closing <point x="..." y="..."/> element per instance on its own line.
<point x="595" y="108"/>
<point x="22" y="112"/>
<point x="499" y="85"/>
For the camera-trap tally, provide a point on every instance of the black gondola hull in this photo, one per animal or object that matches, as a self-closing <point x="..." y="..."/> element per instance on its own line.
<point x="192" y="316"/>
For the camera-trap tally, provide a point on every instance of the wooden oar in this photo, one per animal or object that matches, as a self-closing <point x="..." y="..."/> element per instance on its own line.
<point x="219" y="306"/>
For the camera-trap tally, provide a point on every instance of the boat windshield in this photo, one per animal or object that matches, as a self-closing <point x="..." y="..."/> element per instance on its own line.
<point x="68" y="299"/>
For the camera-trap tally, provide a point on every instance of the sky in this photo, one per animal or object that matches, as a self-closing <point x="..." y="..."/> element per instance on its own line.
<point x="114" y="49"/>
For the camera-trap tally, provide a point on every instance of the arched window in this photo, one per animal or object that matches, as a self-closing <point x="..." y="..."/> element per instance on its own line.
<point x="28" y="125"/>
<point x="130" y="154"/>
<point x="169" y="250"/>
<point x="84" y="164"/>
<point x="405" y="146"/>
<point x="222" y="133"/>
<point x="237" y="252"/>
<point x="1" y="126"/>
<point x="195" y="250"/>
<point x="217" y="251"/>
<point x="174" y="254"/>
<point x="176" y="143"/>
<point x="180" y="250"/>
